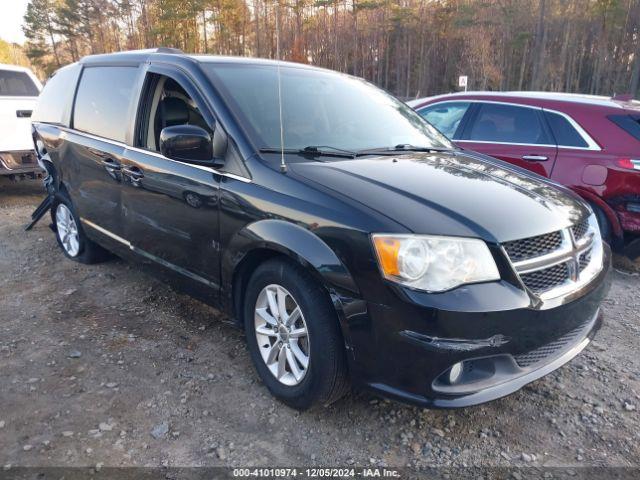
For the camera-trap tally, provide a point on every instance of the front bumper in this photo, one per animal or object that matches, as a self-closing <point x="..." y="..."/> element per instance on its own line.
<point x="500" y="338"/>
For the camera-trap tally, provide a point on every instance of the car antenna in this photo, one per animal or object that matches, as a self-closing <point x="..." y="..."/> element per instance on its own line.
<point x="283" y="164"/>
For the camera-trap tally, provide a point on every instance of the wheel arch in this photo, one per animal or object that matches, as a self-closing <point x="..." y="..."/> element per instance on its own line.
<point x="267" y="239"/>
<point x="616" y="227"/>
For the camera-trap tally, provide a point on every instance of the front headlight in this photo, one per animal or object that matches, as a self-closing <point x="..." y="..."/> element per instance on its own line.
<point x="434" y="263"/>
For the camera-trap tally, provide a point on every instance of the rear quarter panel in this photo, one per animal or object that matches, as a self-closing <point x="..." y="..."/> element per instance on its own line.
<point x="598" y="172"/>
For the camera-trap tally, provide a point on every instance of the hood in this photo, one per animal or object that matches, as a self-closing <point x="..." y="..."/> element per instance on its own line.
<point x="453" y="193"/>
<point x="15" y="131"/>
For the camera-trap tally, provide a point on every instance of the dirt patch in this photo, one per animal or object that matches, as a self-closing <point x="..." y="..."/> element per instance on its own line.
<point x="103" y="364"/>
<point x="626" y="266"/>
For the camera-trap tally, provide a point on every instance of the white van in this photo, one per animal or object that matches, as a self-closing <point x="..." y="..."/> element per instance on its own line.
<point x="19" y="90"/>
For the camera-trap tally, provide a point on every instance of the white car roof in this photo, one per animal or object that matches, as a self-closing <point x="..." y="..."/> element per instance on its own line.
<point x="561" y="97"/>
<point x="14" y="68"/>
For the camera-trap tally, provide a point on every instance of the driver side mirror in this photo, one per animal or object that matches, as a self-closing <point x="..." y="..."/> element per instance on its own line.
<point x="188" y="143"/>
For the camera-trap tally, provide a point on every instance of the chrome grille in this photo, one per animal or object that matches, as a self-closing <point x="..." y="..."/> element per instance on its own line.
<point x="584" y="260"/>
<point x="542" y="280"/>
<point x="580" y="229"/>
<point x="557" y="263"/>
<point x="533" y="246"/>
<point x="542" y="353"/>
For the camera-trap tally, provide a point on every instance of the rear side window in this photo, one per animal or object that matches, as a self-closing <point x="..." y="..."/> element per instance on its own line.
<point x="54" y="104"/>
<point x="566" y="135"/>
<point x="446" y="116"/>
<point x="17" y="84"/>
<point x="495" y="122"/>
<point x="629" y="123"/>
<point x="103" y="100"/>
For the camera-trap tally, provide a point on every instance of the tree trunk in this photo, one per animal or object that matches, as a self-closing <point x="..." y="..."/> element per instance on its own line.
<point x="634" y="84"/>
<point x="539" y="48"/>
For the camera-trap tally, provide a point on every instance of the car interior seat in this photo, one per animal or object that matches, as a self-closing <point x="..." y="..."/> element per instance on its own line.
<point x="171" y="111"/>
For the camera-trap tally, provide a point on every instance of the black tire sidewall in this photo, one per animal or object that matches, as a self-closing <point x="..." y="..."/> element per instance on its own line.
<point x="603" y="223"/>
<point x="82" y="240"/>
<point x="321" y="324"/>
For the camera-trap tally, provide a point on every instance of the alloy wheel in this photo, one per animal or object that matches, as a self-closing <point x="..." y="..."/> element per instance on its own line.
<point x="67" y="230"/>
<point x="282" y="335"/>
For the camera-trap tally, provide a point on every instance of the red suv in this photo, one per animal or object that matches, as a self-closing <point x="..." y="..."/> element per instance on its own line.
<point x="590" y="144"/>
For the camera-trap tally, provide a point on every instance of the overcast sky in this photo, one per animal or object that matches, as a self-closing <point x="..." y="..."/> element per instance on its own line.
<point x="11" y="15"/>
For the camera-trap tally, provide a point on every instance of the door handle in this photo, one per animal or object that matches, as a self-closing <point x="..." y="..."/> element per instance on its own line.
<point x="535" y="158"/>
<point x="111" y="165"/>
<point x="134" y="173"/>
<point x="113" y="168"/>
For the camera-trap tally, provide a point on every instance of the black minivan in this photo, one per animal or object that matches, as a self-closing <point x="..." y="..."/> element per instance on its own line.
<point x="352" y="241"/>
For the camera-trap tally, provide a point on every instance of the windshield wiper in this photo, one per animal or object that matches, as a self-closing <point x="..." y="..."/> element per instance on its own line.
<point x="314" y="151"/>
<point x="413" y="148"/>
<point x="403" y="147"/>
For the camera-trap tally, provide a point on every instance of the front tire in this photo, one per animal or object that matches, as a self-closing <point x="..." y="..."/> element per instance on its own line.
<point x="294" y="337"/>
<point x="70" y="235"/>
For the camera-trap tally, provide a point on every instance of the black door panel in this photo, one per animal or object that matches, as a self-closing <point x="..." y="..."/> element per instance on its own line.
<point x="170" y="210"/>
<point x="91" y="172"/>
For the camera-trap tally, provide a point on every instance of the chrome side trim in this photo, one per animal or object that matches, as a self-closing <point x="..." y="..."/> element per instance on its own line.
<point x="174" y="267"/>
<point x="200" y="167"/>
<point x="106" y="232"/>
<point x="514" y="143"/>
<point x="593" y="145"/>
<point x="148" y="255"/>
<point x="153" y="154"/>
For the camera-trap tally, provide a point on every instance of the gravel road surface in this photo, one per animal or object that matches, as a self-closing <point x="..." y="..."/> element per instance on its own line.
<point x="104" y="365"/>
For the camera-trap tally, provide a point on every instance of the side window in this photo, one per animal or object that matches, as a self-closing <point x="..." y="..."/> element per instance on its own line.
<point x="446" y="117"/>
<point x="167" y="104"/>
<point x="629" y="123"/>
<point x="566" y="135"/>
<point x="103" y="100"/>
<point x="496" y="122"/>
<point x="54" y="104"/>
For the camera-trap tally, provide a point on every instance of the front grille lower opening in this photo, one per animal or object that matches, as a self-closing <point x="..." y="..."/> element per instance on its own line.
<point x="543" y="353"/>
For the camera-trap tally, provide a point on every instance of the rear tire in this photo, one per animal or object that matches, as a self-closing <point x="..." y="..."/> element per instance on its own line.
<point x="70" y="235"/>
<point x="313" y="337"/>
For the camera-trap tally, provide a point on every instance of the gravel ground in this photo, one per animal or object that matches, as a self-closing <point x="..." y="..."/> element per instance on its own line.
<point x="103" y="365"/>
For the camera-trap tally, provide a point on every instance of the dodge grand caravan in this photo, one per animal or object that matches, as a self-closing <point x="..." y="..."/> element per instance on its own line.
<point x="352" y="241"/>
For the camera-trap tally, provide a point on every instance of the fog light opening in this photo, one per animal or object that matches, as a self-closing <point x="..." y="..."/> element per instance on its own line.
<point x="455" y="372"/>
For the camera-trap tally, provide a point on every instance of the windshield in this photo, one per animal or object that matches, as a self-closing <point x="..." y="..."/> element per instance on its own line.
<point x="16" y="84"/>
<point x="320" y="108"/>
